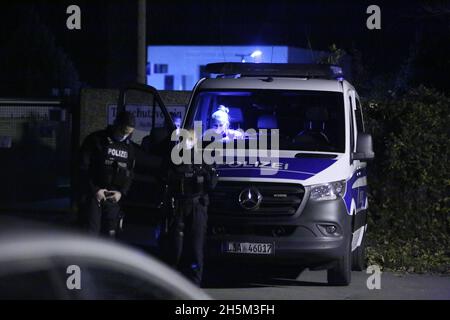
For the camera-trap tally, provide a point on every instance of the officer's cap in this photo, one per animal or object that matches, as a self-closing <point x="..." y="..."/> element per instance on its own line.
<point x="125" y="119"/>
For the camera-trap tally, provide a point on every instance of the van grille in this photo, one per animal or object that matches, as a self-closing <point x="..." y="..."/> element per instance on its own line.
<point x="277" y="199"/>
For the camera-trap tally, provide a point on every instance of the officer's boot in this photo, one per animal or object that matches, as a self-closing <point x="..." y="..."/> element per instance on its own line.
<point x="195" y="274"/>
<point x="176" y="243"/>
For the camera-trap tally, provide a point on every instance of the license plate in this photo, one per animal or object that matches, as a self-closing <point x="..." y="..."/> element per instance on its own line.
<point x="248" y="248"/>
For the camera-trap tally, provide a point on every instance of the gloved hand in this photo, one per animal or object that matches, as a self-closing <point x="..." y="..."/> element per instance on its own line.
<point x="100" y="195"/>
<point x="114" y="196"/>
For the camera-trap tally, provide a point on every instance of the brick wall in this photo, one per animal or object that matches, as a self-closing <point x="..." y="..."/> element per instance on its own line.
<point x="94" y="106"/>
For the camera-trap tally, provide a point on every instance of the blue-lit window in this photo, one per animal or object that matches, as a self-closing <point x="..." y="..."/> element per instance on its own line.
<point x="184" y="82"/>
<point x="169" y="82"/>
<point x="161" y="68"/>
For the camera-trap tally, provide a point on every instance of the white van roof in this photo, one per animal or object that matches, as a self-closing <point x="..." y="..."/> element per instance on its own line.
<point x="275" y="83"/>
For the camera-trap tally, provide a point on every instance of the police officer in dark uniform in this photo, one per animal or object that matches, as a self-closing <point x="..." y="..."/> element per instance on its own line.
<point x="106" y="172"/>
<point x="189" y="185"/>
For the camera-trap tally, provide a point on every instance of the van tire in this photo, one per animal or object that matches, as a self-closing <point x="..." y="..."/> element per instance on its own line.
<point x="359" y="256"/>
<point x="341" y="273"/>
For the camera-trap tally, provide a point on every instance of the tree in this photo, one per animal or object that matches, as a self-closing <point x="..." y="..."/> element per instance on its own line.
<point x="31" y="63"/>
<point x="335" y="57"/>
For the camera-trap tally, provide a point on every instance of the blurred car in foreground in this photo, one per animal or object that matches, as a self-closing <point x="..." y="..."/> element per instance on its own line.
<point x="41" y="263"/>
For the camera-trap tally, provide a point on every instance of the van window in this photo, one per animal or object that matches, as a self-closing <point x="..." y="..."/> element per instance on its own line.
<point x="352" y="129"/>
<point x="307" y="120"/>
<point x="359" y="117"/>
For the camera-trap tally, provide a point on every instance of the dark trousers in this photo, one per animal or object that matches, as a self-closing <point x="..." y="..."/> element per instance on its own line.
<point x="187" y="233"/>
<point x="100" y="218"/>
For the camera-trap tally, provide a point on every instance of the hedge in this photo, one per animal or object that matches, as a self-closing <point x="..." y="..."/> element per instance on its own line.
<point x="409" y="182"/>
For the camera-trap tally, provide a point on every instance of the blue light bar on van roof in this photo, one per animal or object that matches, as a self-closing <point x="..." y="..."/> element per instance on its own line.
<point x="317" y="71"/>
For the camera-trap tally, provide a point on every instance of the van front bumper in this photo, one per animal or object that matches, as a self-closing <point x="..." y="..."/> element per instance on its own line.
<point x="304" y="240"/>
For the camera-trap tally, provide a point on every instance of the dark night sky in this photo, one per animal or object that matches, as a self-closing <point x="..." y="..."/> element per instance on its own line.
<point x="104" y="48"/>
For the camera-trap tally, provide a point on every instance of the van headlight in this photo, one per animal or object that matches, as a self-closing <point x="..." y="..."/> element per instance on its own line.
<point x="328" y="191"/>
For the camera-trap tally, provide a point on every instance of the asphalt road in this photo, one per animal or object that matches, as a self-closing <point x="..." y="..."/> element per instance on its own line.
<point x="246" y="282"/>
<point x="312" y="285"/>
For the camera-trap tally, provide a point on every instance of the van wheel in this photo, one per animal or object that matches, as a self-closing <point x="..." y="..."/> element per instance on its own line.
<point x="359" y="256"/>
<point x="341" y="273"/>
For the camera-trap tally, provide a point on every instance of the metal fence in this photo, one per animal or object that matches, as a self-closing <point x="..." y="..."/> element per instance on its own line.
<point x="35" y="145"/>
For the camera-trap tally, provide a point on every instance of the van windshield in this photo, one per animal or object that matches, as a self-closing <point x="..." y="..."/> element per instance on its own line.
<point x="306" y="120"/>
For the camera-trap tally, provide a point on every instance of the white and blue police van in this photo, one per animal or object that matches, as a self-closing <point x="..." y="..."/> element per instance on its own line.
<point x="310" y="211"/>
<point x="307" y="206"/>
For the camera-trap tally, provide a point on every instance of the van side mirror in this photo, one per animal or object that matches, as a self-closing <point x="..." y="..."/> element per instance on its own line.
<point x="364" y="148"/>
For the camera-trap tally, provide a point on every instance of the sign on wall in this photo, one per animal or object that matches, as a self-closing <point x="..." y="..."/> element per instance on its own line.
<point x="144" y="117"/>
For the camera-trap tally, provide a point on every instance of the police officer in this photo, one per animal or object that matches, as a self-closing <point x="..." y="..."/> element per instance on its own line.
<point x="189" y="185"/>
<point x="106" y="171"/>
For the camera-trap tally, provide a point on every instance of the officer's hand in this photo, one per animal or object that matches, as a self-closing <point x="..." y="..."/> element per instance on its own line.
<point x="114" y="196"/>
<point x="100" y="195"/>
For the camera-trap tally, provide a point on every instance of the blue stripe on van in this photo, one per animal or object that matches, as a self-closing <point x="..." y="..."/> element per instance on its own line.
<point x="288" y="168"/>
<point x="353" y="193"/>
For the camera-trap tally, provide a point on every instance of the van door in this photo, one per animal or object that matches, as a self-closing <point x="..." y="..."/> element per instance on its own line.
<point x="361" y="167"/>
<point x="151" y="140"/>
<point x="356" y="164"/>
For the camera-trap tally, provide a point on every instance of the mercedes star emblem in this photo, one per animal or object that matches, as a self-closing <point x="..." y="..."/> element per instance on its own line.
<point x="250" y="198"/>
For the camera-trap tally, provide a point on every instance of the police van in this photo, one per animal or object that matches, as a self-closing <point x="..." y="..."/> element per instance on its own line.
<point x="312" y="210"/>
<point x="308" y="207"/>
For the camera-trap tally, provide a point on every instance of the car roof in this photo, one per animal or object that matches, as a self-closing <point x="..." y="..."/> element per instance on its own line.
<point x="272" y="83"/>
<point x="23" y="240"/>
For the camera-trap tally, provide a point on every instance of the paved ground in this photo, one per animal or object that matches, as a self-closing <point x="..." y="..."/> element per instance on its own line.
<point x="284" y="284"/>
<point x="312" y="285"/>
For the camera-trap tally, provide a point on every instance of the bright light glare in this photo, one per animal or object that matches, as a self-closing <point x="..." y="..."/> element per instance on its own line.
<point x="256" y="53"/>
